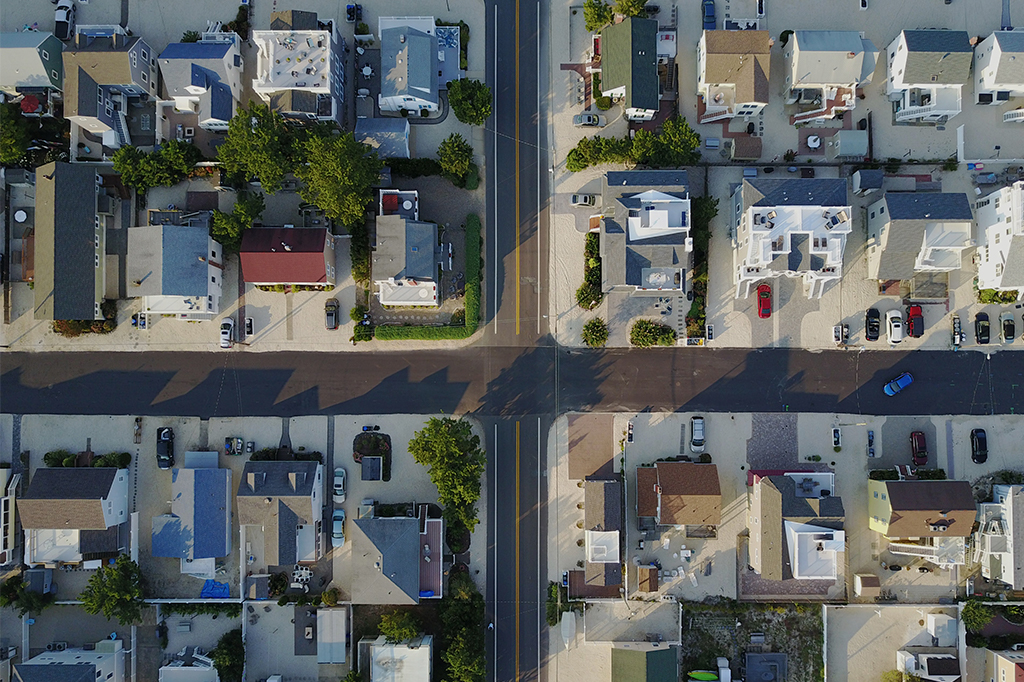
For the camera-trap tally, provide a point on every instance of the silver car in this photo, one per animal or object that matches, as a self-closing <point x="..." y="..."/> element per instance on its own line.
<point x="227" y="332"/>
<point x="583" y="200"/>
<point x="338" y="528"/>
<point x="697" y="434"/>
<point x="339" y="485"/>
<point x="894" y="330"/>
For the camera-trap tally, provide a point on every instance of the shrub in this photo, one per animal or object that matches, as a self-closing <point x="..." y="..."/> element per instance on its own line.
<point x="950" y="164"/>
<point x="362" y="332"/>
<point x="190" y="37"/>
<point x="596" y="15"/>
<point x="229" y="656"/>
<point x="604" y="102"/>
<point x="330" y="597"/>
<point x="590" y="293"/>
<point x="784" y="37"/>
<point x="470" y="101"/>
<point x="362" y="29"/>
<point x="595" y="333"/>
<point x="398" y="626"/>
<point x="995" y="296"/>
<point x="976" y="615"/>
<point x="56" y="458"/>
<point x="645" y="333"/>
<point x="359" y="252"/>
<point x="414" y="168"/>
<point x="472" y="177"/>
<point x="357" y="313"/>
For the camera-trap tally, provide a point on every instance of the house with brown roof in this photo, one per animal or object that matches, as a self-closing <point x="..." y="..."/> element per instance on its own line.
<point x="796" y="526"/>
<point x="732" y="73"/>
<point x="928" y="519"/>
<point x="280" y="508"/>
<point x="601" y="576"/>
<point x="678" y="494"/>
<point x="590" y="446"/>
<point x="288" y="255"/>
<point x="74" y="515"/>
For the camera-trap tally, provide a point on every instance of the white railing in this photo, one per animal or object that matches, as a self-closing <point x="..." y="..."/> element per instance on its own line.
<point x="909" y="549"/>
<point x="914" y="112"/>
<point x="716" y="114"/>
<point x="1013" y="116"/>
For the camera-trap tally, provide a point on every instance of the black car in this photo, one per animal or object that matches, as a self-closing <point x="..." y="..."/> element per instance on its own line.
<point x="979" y="446"/>
<point x="981" y="328"/>
<point x="165" y="447"/>
<point x="872" y="324"/>
<point x="331" y="313"/>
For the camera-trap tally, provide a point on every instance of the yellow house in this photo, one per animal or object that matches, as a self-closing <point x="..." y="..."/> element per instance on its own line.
<point x="1004" y="666"/>
<point x="927" y="519"/>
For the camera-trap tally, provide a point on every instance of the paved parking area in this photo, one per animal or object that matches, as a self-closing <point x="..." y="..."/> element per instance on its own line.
<point x="270" y="647"/>
<point x="614" y="621"/>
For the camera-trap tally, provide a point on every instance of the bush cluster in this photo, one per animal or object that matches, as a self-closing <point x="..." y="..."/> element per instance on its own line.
<point x="414" y="168"/>
<point x="645" y="333"/>
<point x="590" y="293"/>
<point x="677" y="145"/>
<point x="595" y="333"/>
<point x="166" y="166"/>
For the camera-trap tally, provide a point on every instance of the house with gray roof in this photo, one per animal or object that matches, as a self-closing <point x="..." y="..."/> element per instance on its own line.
<point x="177" y="269"/>
<point x="999" y="68"/>
<point x="197" y="530"/>
<point x="789" y="227"/>
<point x="397" y="558"/>
<point x="280" y="506"/>
<point x="32" y="66"/>
<point x="732" y="73"/>
<point x="72" y="515"/>
<point x="405" y="261"/>
<point x="1000" y="536"/>
<point x="917" y="232"/>
<point x="300" y="67"/>
<point x="104" y="660"/>
<point x="629" y="66"/>
<point x="409" y="66"/>
<point x="796" y="527"/>
<point x="927" y="70"/>
<point x="106" y="74"/>
<point x="603" y="535"/>
<point x="202" y="88"/>
<point x="824" y="70"/>
<point x="645" y="241"/>
<point x="1001" y="239"/>
<point x="68" y="240"/>
<point x="389" y="137"/>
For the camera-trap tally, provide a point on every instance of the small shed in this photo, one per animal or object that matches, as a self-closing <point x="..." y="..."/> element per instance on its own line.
<point x="848" y="144"/>
<point x="746" y="148"/>
<point x="867" y="585"/>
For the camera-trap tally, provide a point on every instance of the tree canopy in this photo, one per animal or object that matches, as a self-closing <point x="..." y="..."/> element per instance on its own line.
<point x="399" y="626"/>
<point x="455" y="155"/>
<point x="462" y="635"/>
<point x="645" y="333"/>
<point x="116" y="592"/>
<point x="339" y="174"/>
<point x="227" y="228"/>
<point x="595" y="332"/>
<point x="677" y="145"/>
<point x="162" y="168"/>
<point x="631" y="8"/>
<point x="14" y="134"/>
<point x="597" y="14"/>
<point x="258" y="145"/>
<point x="14" y="593"/>
<point x="976" y="615"/>
<point x="470" y="100"/>
<point x="229" y="656"/>
<point x="452" y="453"/>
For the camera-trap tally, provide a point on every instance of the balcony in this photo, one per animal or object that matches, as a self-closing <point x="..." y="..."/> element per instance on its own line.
<point x="1015" y="116"/>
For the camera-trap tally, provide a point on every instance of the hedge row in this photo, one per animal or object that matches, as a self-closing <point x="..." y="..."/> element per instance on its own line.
<point x="396" y="333"/>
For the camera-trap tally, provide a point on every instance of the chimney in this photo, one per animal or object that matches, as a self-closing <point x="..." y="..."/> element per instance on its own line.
<point x="401" y="38"/>
<point x="851" y="55"/>
<point x="202" y="259"/>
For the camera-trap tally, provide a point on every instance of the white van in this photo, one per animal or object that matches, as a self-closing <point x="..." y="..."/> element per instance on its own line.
<point x="697" y="434"/>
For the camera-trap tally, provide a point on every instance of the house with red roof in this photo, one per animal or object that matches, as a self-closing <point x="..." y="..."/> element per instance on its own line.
<point x="288" y="255"/>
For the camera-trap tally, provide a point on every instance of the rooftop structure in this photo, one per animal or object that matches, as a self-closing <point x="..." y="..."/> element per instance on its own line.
<point x="929" y="519"/>
<point x="32" y="70"/>
<point x="409" y="661"/>
<point x="824" y="70"/>
<point x="398" y="558"/>
<point x="409" y="64"/>
<point x="198" y="529"/>
<point x="286" y="500"/>
<point x="912" y="232"/>
<point x="389" y="137"/>
<point x="405" y="260"/>
<point x="678" y="494"/>
<point x="999" y="68"/>
<point x="1000" y="536"/>
<point x="927" y="70"/>
<point x="732" y="73"/>
<point x="104" y="661"/>
<point x="629" y="66"/>
<point x="1001" y="239"/>
<point x="288" y="255"/>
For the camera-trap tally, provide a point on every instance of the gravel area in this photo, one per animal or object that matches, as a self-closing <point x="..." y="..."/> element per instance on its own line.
<point x="773" y="442"/>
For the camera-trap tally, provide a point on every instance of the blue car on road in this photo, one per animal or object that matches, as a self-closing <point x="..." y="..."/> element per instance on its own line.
<point x="898" y="384"/>
<point x="708" y="11"/>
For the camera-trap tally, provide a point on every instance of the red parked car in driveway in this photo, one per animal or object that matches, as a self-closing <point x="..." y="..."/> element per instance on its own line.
<point x="764" y="301"/>
<point x="915" y="321"/>
<point x="918" y="449"/>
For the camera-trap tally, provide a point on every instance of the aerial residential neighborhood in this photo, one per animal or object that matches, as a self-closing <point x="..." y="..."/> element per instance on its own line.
<point x="485" y="340"/>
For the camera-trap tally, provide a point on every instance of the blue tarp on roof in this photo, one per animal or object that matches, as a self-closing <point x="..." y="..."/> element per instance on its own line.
<point x="215" y="590"/>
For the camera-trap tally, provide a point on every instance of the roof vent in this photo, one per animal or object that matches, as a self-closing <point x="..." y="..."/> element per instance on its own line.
<point x="401" y="38"/>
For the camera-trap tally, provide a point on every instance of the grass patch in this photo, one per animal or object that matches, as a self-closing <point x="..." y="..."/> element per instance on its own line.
<point x="472" y="299"/>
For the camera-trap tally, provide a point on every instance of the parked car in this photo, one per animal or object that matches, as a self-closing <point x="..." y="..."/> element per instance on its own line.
<point x="898" y="384"/>
<point x="872" y="324"/>
<point x="764" y="301"/>
<point x="588" y="121"/>
<point x="915" y="321"/>
<point x="981" y="328"/>
<point x="979" y="446"/>
<point x="227" y="332"/>
<point x="331" y="313"/>
<point x="338" y="528"/>
<point x="165" y="447"/>
<point x="697" y="434"/>
<point x="918" y="449"/>
<point x="339" y="485"/>
<point x="894" y="329"/>
<point x="707" y="9"/>
<point x="871" y="443"/>
<point x="1007" y="328"/>
<point x="837" y="437"/>
<point x="584" y="200"/>
<point x="64" y="20"/>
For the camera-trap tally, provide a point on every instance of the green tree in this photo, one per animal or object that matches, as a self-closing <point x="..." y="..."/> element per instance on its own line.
<point x="455" y="156"/>
<point x="14" y="593"/>
<point x="470" y="100"/>
<point x="464" y="656"/>
<point x="645" y="333"/>
<point x="399" y="626"/>
<point x="229" y="656"/>
<point x="976" y="615"/>
<point x="631" y="8"/>
<point x="452" y="453"/>
<point x="899" y="676"/>
<point x="462" y="638"/>
<point x="258" y="145"/>
<point x="679" y="144"/>
<point x="597" y="14"/>
<point x="14" y="134"/>
<point x="165" y="167"/>
<point x="645" y="147"/>
<point x="595" y="333"/>
<point x="339" y="174"/>
<point x="190" y="37"/>
<point x="116" y="592"/>
<point x="227" y="228"/>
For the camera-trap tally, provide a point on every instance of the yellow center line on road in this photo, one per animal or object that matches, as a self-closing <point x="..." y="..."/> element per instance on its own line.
<point x="517" y="545"/>
<point x="517" y="175"/>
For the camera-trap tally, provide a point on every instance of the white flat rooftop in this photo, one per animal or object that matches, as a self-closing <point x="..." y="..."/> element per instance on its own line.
<point x="603" y="546"/>
<point x="814" y="550"/>
<point x="292" y="60"/>
<point x="51" y="546"/>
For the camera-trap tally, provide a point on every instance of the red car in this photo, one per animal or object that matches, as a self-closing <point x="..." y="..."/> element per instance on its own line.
<point x="918" y="449"/>
<point x="764" y="301"/>
<point x="915" y="321"/>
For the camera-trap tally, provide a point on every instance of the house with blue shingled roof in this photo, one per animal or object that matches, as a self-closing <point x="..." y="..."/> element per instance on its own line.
<point x="198" y="528"/>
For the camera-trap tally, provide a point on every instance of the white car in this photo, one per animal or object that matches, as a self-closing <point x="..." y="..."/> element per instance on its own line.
<point x="894" y="330"/>
<point x="227" y="332"/>
<point x="583" y="200"/>
<point x="339" y="485"/>
<point x="338" y="528"/>
<point x="697" y="434"/>
<point x="64" y="20"/>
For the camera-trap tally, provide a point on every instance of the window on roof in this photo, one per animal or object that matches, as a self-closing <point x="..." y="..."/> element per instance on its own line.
<point x="54" y="75"/>
<point x="145" y="77"/>
<point x="46" y="55"/>
<point x="135" y="60"/>
<point x="881" y="209"/>
<point x="145" y="55"/>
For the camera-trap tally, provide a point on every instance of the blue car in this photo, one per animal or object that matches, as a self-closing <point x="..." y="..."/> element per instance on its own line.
<point x="898" y="384"/>
<point x="708" y="10"/>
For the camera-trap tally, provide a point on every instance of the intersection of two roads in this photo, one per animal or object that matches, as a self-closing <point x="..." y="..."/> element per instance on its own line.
<point x="515" y="380"/>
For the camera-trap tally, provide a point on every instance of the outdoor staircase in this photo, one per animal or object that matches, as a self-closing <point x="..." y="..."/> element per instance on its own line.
<point x="910" y="549"/>
<point x="1015" y="116"/>
<point x="121" y="126"/>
